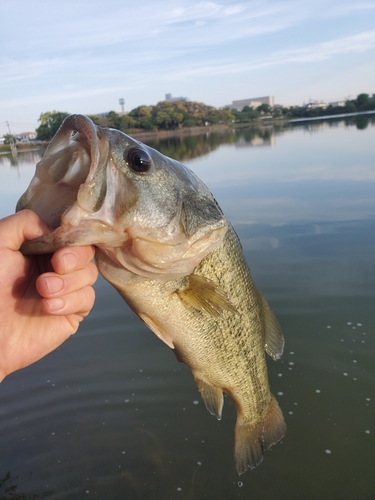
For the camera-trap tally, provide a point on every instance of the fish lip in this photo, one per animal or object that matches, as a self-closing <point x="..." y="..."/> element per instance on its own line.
<point x="63" y="236"/>
<point x="91" y="193"/>
<point x="75" y="165"/>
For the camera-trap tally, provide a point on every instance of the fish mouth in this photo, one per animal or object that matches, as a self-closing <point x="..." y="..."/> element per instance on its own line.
<point x="160" y="224"/>
<point x="69" y="185"/>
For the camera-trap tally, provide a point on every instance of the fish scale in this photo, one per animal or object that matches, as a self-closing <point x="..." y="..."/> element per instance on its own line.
<point x="226" y="353"/>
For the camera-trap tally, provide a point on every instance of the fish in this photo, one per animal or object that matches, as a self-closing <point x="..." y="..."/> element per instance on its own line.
<point x="162" y="240"/>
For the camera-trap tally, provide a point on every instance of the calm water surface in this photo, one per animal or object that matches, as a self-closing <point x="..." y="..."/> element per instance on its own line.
<point x="112" y="415"/>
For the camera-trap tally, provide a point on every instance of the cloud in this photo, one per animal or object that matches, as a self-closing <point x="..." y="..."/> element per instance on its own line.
<point x="57" y="97"/>
<point x="341" y="9"/>
<point x="208" y="23"/>
<point x="325" y="50"/>
<point x="170" y="66"/>
<point x="310" y="54"/>
<point x="69" y="49"/>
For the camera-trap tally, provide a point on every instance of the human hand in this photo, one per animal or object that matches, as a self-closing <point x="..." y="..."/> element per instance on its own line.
<point x="42" y="298"/>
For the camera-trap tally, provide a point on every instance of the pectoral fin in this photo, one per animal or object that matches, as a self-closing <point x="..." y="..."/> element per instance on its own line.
<point x="273" y="339"/>
<point x="206" y="296"/>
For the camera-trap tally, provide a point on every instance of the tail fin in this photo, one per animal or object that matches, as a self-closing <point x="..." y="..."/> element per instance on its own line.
<point x="252" y="440"/>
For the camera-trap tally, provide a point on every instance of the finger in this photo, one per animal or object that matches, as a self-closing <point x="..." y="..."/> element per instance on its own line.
<point x="24" y="225"/>
<point x="68" y="259"/>
<point x="79" y="302"/>
<point x="53" y="285"/>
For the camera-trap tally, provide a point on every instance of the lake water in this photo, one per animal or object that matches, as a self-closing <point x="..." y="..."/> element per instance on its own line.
<point x="111" y="414"/>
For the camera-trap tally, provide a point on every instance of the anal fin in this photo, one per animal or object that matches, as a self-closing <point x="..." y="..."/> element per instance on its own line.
<point x="212" y="397"/>
<point x="252" y="440"/>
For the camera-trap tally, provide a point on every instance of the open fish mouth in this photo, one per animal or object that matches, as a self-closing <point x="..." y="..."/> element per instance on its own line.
<point x="145" y="211"/>
<point x="71" y="169"/>
<point x="77" y="189"/>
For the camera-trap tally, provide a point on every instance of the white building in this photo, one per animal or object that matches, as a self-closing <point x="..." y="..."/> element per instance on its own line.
<point x="252" y="102"/>
<point x="25" y="136"/>
<point x="337" y="103"/>
<point x="315" y="104"/>
<point x="170" y="98"/>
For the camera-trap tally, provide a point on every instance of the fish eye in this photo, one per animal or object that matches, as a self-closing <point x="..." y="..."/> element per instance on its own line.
<point x="138" y="160"/>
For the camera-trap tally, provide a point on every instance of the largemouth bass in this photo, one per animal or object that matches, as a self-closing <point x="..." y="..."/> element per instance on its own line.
<point x="163" y="242"/>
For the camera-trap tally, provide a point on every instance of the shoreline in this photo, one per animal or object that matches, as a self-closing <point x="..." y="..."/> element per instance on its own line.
<point x="183" y="132"/>
<point x="191" y="131"/>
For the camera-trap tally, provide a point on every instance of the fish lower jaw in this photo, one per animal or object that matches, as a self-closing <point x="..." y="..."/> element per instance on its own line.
<point x="75" y="215"/>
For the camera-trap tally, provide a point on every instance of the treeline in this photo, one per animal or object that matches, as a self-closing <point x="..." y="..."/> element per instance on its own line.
<point x="363" y="102"/>
<point x="176" y="115"/>
<point x="164" y="116"/>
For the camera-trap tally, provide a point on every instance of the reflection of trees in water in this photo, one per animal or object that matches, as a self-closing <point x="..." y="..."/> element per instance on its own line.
<point x="188" y="147"/>
<point x="359" y="121"/>
<point x="27" y="157"/>
<point x="8" y="490"/>
<point x="362" y="122"/>
<point x="192" y="146"/>
<point x="182" y="147"/>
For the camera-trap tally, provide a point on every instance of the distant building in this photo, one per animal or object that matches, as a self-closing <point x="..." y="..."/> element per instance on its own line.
<point x="252" y="103"/>
<point x="337" y="103"/>
<point x="315" y="104"/>
<point x="170" y="98"/>
<point x="25" y="137"/>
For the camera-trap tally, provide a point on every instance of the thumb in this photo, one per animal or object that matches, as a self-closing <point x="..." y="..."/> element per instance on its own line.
<point x="24" y="225"/>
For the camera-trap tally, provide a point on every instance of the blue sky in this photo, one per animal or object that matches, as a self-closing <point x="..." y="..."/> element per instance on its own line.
<point x="82" y="56"/>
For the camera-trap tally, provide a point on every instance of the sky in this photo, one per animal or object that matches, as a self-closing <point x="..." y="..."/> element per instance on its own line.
<point x="82" y="56"/>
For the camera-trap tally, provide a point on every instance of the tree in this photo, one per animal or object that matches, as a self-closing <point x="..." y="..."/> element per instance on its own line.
<point x="168" y="115"/>
<point x="225" y="115"/>
<point x="264" y="108"/>
<point x="350" y="107"/>
<point x="8" y="138"/>
<point x="49" y="124"/>
<point x="362" y="99"/>
<point x="247" y="114"/>
<point x="142" y="116"/>
<point x="168" y="118"/>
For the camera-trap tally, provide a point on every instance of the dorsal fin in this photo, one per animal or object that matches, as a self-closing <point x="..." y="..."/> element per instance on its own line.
<point x="273" y="337"/>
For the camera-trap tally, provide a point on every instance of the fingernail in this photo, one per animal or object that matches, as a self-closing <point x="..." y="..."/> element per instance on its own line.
<point x="70" y="261"/>
<point x="54" y="283"/>
<point x="56" y="305"/>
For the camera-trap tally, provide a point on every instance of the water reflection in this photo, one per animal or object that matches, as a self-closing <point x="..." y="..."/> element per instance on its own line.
<point x="7" y="160"/>
<point x="189" y="147"/>
<point x="9" y="487"/>
<point x="186" y="148"/>
<point x="111" y="414"/>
